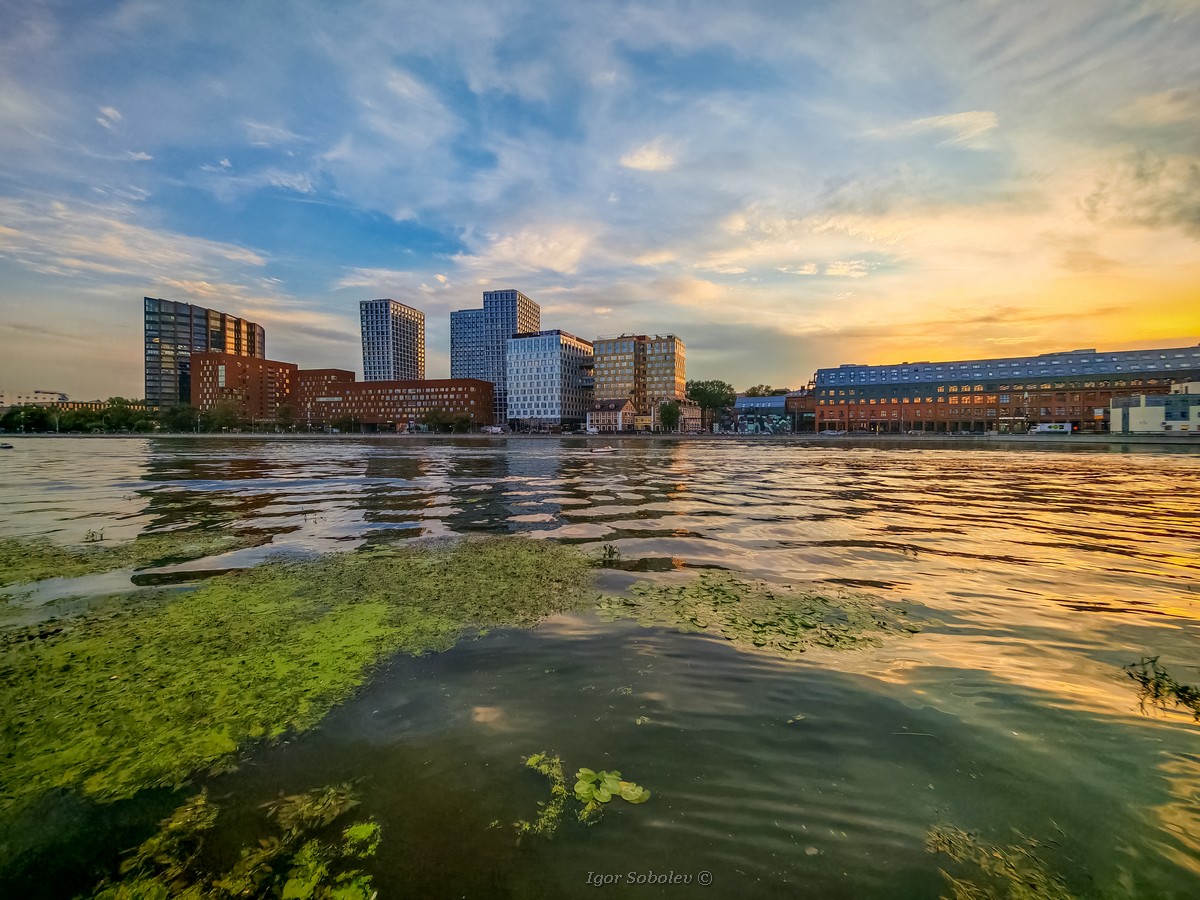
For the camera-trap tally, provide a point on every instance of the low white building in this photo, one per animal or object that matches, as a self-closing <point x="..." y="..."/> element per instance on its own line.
<point x="1175" y="413"/>
<point x="31" y="398"/>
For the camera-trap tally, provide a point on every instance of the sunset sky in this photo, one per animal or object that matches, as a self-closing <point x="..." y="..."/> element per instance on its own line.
<point x="786" y="185"/>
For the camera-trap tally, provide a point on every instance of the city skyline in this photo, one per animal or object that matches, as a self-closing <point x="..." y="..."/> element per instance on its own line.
<point x="788" y="187"/>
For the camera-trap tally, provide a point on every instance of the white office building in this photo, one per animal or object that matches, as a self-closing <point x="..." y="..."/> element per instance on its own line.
<point x="393" y="341"/>
<point x="479" y="340"/>
<point x="547" y="379"/>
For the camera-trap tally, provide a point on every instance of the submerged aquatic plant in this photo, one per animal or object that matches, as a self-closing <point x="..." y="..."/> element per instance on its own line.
<point x="609" y="553"/>
<point x="755" y="615"/>
<point x="1015" y="872"/>
<point x="1156" y="688"/>
<point x="26" y="560"/>
<point x="592" y="789"/>
<point x="171" y="684"/>
<point x="549" y="813"/>
<point x="296" y="863"/>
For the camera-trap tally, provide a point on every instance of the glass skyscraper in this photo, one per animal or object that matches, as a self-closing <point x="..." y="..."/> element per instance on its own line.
<point x="174" y="331"/>
<point x="479" y="340"/>
<point x="393" y="341"/>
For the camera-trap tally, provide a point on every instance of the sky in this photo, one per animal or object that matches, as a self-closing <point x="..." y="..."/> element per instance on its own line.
<point x="784" y="185"/>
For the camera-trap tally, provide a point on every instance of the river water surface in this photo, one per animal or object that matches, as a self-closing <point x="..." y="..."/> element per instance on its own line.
<point x="1036" y="577"/>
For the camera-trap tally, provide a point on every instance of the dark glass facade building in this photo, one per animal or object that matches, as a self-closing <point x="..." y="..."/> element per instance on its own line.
<point x="174" y="331"/>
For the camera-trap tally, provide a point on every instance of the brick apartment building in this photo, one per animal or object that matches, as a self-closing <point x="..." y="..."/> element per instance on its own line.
<point x="262" y="388"/>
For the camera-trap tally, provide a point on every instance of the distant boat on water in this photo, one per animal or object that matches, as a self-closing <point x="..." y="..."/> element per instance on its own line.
<point x="604" y="449"/>
<point x="6" y="446"/>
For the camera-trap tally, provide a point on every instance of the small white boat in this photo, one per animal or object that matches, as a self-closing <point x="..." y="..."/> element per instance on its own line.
<point x="6" y="446"/>
<point x="604" y="449"/>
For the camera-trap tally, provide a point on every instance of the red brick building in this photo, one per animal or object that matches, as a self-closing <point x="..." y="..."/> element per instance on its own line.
<point x="1075" y="387"/>
<point x="260" y="387"/>
<point x="319" y="398"/>
<point x="328" y="396"/>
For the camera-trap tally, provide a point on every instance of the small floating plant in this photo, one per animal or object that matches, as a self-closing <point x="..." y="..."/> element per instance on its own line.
<point x="593" y="790"/>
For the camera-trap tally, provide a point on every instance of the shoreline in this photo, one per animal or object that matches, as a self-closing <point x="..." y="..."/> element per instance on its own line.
<point x="888" y="441"/>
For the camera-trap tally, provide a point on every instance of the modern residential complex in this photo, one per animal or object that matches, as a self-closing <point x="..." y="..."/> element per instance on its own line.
<point x="547" y="378"/>
<point x="269" y="390"/>
<point x="479" y="340"/>
<point x="1177" y="412"/>
<point x="174" y="331"/>
<point x="260" y="388"/>
<point x="329" y="396"/>
<point x="393" y="341"/>
<point x="647" y="369"/>
<point x="1010" y="394"/>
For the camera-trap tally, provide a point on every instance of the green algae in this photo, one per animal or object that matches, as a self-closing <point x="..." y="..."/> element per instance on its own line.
<point x="295" y="863"/>
<point x="27" y="560"/>
<point x="1158" y="690"/>
<point x="173" y="684"/>
<point x="753" y="615"/>
<point x="1016" y="871"/>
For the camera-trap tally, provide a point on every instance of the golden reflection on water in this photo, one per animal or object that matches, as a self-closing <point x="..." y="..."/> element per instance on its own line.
<point x="1181" y="816"/>
<point x="1035" y="576"/>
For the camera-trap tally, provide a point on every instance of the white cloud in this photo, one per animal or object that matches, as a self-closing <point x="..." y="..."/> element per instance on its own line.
<point x="966" y="129"/>
<point x="651" y="157"/>
<point x="655" y="258"/>
<point x="109" y="117"/>
<point x="58" y="237"/>
<point x="558" y="248"/>
<point x="376" y="279"/>
<point x="848" y="268"/>
<point x="260" y="134"/>
<point x="1173" y="107"/>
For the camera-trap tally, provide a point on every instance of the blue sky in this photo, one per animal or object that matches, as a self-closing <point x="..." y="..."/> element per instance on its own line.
<point x="785" y="185"/>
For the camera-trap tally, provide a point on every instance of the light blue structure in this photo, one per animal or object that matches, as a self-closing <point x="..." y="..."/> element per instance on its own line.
<point x="479" y="341"/>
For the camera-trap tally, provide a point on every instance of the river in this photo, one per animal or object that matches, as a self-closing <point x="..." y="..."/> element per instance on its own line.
<point x="1035" y="577"/>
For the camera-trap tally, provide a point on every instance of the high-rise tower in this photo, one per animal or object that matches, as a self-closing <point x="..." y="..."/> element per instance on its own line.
<point x="479" y="340"/>
<point x="393" y="341"/>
